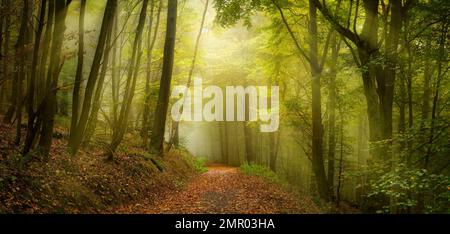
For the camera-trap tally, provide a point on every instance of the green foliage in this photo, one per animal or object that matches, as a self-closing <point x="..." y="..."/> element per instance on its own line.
<point x="406" y="187"/>
<point x="261" y="171"/>
<point x="199" y="164"/>
<point x="229" y="12"/>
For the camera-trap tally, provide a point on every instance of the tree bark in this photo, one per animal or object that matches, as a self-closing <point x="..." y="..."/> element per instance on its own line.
<point x="332" y="96"/>
<point x="42" y="89"/>
<point x="115" y="84"/>
<point x="53" y="75"/>
<point x="378" y="82"/>
<point x="317" y="127"/>
<point x="5" y="53"/>
<point x="92" y="122"/>
<point x="107" y="25"/>
<point x="79" y="72"/>
<point x="151" y="43"/>
<point x="21" y="57"/>
<point x="34" y="82"/>
<point x="316" y="69"/>
<point x="159" y="124"/>
<point x="133" y="71"/>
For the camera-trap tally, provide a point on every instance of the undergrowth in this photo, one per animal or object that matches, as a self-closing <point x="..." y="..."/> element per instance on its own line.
<point x="261" y="171"/>
<point x="197" y="163"/>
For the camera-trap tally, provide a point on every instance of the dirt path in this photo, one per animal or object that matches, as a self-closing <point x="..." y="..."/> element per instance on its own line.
<point x="224" y="189"/>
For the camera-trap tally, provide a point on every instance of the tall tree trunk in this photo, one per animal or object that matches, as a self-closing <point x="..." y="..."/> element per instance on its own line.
<point x="402" y="106"/>
<point x="15" y="81"/>
<point x="315" y="69"/>
<point x="41" y="87"/>
<point x="53" y="75"/>
<point x="20" y="65"/>
<point x="107" y="24"/>
<point x="249" y="152"/>
<point x="79" y="72"/>
<point x="92" y="122"/>
<point x="341" y="166"/>
<point x="378" y="81"/>
<point x="221" y="140"/>
<point x="5" y="53"/>
<point x="370" y="36"/>
<point x="317" y="128"/>
<point x="133" y="71"/>
<point x="115" y="84"/>
<point x="34" y="82"/>
<point x="409" y="89"/>
<point x="2" y="23"/>
<point x="42" y="70"/>
<point x="248" y="138"/>
<point x="388" y="78"/>
<point x="159" y="124"/>
<point x="434" y="112"/>
<point x="226" y="143"/>
<point x="176" y="135"/>
<point x="332" y="96"/>
<point x="274" y="143"/>
<point x="151" y="43"/>
<point x="427" y="75"/>
<point x="433" y="118"/>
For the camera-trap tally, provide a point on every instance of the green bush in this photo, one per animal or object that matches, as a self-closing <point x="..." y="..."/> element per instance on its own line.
<point x="405" y="187"/>
<point x="199" y="164"/>
<point x="261" y="171"/>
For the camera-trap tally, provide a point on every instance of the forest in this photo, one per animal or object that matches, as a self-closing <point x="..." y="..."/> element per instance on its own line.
<point x="127" y="106"/>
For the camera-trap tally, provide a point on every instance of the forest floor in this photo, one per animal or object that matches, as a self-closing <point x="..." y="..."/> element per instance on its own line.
<point x="87" y="182"/>
<point x="136" y="182"/>
<point x="224" y="190"/>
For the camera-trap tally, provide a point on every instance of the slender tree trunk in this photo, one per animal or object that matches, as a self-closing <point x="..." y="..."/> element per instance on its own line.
<point x="226" y="143"/>
<point x="79" y="73"/>
<point x="221" y="140"/>
<point x="34" y="82"/>
<point x="6" y="65"/>
<point x="133" y="71"/>
<point x="92" y="122"/>
<point x="430" y="141"/>
<point x="317" y="127"/>
<point x="151" y="43"/>
<point x="389" y="76"/>
<point x="107" y="24"/>
<point x="20" y="65"/>
<point x="434" y="112"/>
<point x="5" y="53"/>
<point x="53" y="75"/>
<point x="274" y="142"/>
<point x="402" y="106"/>
<point x="42" y="89"/>
<point x="427" y="75"/>
<point x="378" y="79"/>
<point x="2" y="23"/>
<point x="332" y="96"/>
<point x="249" y="146"/>
<point x="316" y="69"/>
<point x="115" y="84"/>
<point x="159" y="124"/>
<point x="341" y="167"/>
<point x="191" y="71"/>
<point x="410" y="91"/>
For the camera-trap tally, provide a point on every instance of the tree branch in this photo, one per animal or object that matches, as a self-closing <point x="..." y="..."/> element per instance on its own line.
<point x="297" y="44"/>
<point x="347" y="33"/>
